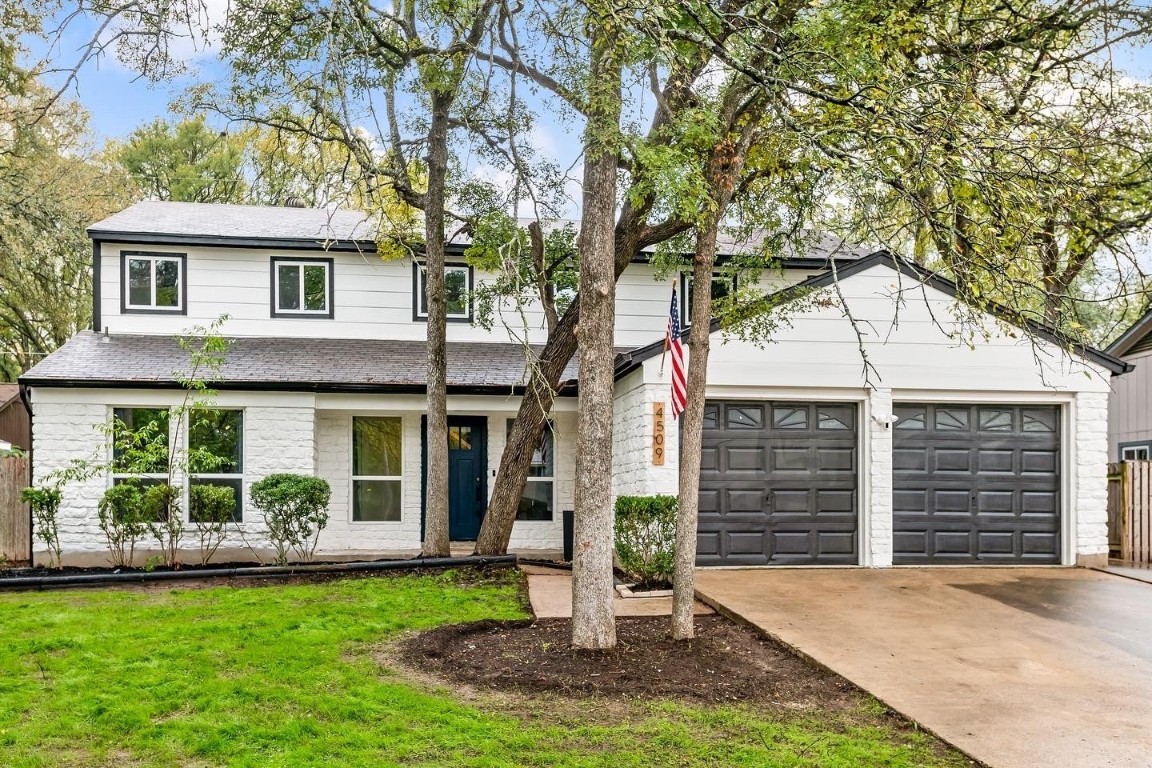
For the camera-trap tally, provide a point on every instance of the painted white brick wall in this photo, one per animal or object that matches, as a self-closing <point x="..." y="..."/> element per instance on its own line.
<point x="633" y="473"/>
<point x="334" y="451"/>
<point x="878" y="545"/>
<point x="1091" y="479"/>
<point x="64" y="433"/>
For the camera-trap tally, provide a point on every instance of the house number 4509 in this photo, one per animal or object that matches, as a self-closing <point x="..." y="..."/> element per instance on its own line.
<point x="658" y="434"/>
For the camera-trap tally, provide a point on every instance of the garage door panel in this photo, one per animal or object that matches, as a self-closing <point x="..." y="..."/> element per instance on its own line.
<point x="997" y="460"/>
<point x="909" y="459"/>
<point x="1044" y="462"/>
<point x="791" y="460"/>
<point x="709" y="460"/>
<point x="783" y="486"/>
<point x="989" y="491"/>
<point x="952" y="460"/>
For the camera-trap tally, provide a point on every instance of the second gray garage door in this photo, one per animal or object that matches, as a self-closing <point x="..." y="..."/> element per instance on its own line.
<point x="976" y="484"/>
<point x="778" y="484"/>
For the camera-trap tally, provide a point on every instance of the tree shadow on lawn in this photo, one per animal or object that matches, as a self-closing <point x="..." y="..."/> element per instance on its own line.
<point x="730" y="681"/>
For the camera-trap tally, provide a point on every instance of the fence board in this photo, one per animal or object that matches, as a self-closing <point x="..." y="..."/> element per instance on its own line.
<point x="14" y="525"/>
<point x="1130" y="511"/>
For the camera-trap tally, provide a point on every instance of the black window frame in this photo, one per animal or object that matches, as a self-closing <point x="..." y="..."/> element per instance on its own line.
<point x="550" y="435"/>
<point x="418" y="292"/>
<point x="301" y="314"/>
<point x="686" y="301"/>
<point x="181" y="258"/>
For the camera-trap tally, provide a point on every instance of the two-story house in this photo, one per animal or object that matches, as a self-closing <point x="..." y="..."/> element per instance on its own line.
<point x="881" y="424"/>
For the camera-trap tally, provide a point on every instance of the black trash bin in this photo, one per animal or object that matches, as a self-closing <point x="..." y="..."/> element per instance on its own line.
<point x="567" y="517"/>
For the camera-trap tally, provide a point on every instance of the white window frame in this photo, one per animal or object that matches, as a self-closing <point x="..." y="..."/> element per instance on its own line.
<point x="418" y="298"/>
<point x="152" y="258"/>
<point x="300" y="264"/>
<point x="551" y="431"/>
<point x="354" y="477"/>
<point x="187" y="427"/>
<point x="1133" y="448"/>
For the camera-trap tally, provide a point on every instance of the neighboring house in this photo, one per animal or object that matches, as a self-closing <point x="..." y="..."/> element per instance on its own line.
<point x="953" y="445"/>
<point x="1130" y="402"/>
<point x="15" y="427"/>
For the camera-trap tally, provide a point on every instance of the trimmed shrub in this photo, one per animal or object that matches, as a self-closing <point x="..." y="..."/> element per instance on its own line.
<point x="121" y="512"/>
<point x="295" y="510"/>
<point x="165" y="519"/>
<point x="210" y="508"/>
<point x="45" y="505"/>
<point x="646" y="537"/>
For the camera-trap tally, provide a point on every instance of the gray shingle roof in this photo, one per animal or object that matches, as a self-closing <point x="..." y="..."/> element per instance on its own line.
<point x="283" y="363"/>
<point x="210" y="223"/>
<point x="235" y="222"/>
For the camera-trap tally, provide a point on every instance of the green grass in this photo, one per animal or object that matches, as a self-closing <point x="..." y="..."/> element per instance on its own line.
<point x="288" y="676"/>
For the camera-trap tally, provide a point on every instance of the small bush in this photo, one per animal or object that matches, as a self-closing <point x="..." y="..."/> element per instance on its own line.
<point x="45" y="505"/>
<point x="122" y="520"/>
<point x="646" y="537"/>
<point x="165" y="520"/>
<point x="295" y="510"/>
<point x="210" y="508"/>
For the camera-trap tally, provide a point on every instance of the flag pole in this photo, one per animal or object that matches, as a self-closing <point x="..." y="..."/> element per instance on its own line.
<point x="667" y="336"/>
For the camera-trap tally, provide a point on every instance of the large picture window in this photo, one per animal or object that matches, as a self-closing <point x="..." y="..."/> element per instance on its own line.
<point x="153" y="282"/>
<point x="216" y="453"/>
<point x="538" y="500"/>
<point x="302" y="288"/>
<point x="377" y="466"/>
<point x="457" y="292"/>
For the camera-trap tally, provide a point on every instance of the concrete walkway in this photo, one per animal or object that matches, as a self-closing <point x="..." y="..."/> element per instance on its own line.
<point x="1020" y="667"/>
<point x="550" y="592"/>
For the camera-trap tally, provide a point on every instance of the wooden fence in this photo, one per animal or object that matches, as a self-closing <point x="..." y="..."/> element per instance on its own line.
<point x="14" y="525"/>
<point x="1130" y="511"/>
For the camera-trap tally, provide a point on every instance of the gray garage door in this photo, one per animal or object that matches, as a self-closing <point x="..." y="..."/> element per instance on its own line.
<point x="778" y="484"/>
<point x="976" y="484"/>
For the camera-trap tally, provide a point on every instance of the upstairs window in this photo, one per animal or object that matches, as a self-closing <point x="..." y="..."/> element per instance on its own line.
<point x="723" y="286"/>
<point x="153" y="282"/>
<point x="302" y="288"/>
<point x="457" y="293"/>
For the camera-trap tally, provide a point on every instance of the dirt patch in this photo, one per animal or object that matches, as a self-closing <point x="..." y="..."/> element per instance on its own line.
<point x="725" y="663"/>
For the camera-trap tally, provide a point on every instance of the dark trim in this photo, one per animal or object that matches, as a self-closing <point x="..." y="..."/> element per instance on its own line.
<point x="1133" y="444"/>
<point x="31" y="474"/>
<point x="685" y="307"/>
<point x="126" y="310"/>
<point x="329" y="262"/>
<point x="567" y="388"/>
<point x="271" y="243"/>
<point x="630" y="361"/>
<point x="96" y="285"/>
<point x="1136" y="333"/>
<point x="416" y="293"/>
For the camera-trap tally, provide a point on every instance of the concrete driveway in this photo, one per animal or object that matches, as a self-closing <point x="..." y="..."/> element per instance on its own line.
<point x="1018" y="667"/>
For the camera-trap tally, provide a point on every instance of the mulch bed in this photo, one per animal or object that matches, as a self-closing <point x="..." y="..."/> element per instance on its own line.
<point x="725" y="663"/>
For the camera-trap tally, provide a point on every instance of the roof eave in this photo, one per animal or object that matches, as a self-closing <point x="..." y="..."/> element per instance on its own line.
<point x="566" y="389"/>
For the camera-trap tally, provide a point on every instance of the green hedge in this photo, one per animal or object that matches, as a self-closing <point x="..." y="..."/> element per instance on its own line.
<point x="646" y="536"/>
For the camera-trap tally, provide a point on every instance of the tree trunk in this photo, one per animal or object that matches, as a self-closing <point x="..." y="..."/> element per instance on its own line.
<point x="725" y="165"/>
<point x="691" y="424"/>
<point x="593" y="618"/>
<point x="436" y="538"/>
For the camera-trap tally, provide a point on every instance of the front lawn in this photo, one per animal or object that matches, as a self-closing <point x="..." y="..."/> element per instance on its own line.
<point x="290" y="675"/>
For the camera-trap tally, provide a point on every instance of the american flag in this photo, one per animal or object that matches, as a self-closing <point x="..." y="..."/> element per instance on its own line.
<point x="673" y="342"/>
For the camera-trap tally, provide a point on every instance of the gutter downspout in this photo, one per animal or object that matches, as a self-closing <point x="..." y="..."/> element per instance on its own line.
<point x="24" y="398"/>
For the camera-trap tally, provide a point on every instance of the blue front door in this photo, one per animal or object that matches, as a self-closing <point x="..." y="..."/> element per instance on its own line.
<point x="467" y="476"/>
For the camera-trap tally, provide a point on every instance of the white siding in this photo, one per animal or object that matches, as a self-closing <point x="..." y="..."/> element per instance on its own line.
<point x="373" y="299"/>
<point x="919" y="351"/>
